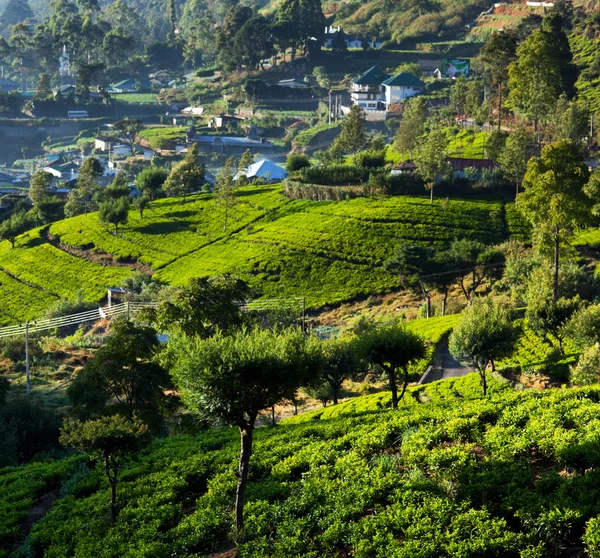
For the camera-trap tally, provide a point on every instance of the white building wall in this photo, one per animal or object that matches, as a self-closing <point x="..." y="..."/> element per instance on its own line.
<point x="396" y="94"/>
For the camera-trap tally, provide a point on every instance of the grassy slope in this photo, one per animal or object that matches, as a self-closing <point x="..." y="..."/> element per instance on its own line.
<point x="447" y="475"/>
<point x="326" y="251"/>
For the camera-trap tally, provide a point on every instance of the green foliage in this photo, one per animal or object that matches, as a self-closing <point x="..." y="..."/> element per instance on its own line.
<point x="111" y="439"/>
<point x="232" y="378"/>
<point x="433" y="479"/>
<point x="159" y="136"/>
<point x="556" y="201"/>
<point x="515" y="154"/>
<point x="15" y="225"/>
<point x="326" y="251"/>
<point x="20" y="487"/>
<point x="430" y="157"/>
<point x="114" y="211"/>
<point x="225" y="190"/>
<point x="204" y="306"/>
<point x="340" y="363"/>
<point x="28" y="427"/>
<point x="587" y="370"/>
<point x="122" y="378"/>
<point x="542" y="71"/>
<point x="485" y="333"/>
<point x="393" y="348"/>
<point x="287" y="254"/>
<point x="296" y="162"/>
<point x="151" y="180"/>
<point x="353" y="137"/>
<point x="187" y="176"/>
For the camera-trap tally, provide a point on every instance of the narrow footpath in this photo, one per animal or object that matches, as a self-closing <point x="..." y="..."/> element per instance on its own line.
<point x="444" y="365"/>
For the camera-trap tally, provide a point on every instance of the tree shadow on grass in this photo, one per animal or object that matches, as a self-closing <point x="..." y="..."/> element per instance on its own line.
<point x="179" y="214"/>
<point x="165" y="227"/>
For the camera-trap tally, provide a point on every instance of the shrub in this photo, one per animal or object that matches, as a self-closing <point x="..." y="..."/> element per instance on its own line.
<point x="296" y="162"/>
<point x="369" y="159"/>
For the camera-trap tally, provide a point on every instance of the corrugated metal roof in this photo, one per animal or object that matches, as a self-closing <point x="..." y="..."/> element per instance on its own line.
<point x="404" y="80"/>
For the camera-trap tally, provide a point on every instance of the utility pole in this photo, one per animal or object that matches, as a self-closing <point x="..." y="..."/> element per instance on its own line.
<point x="27" y="382"/>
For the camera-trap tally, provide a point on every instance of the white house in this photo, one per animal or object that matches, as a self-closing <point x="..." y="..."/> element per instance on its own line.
<point x="368" y="91"/>
<point x="401" y="87"/>
<point x="105" y="143"/>
<point x="265" y="171"/>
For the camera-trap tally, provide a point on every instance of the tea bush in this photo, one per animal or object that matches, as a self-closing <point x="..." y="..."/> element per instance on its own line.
<point x="449" y="474"/>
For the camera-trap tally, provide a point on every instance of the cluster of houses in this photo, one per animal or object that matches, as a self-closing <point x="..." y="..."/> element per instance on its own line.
<point x="334" y="35"/>
<point x="377" y="91"/>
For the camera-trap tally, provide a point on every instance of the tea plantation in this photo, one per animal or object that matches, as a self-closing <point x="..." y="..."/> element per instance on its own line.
<point x="447" y="475"/>
<point x="326" y="251"/>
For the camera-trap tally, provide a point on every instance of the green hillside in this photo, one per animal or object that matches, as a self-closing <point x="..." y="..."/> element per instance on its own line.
<point x="448" y="475"/>
<point x="326" y="251"/>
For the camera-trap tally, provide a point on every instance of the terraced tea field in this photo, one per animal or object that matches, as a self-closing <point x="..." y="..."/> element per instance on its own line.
<point x="326" y="251"/>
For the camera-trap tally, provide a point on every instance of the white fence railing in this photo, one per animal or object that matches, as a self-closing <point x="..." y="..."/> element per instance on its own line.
<point x="128" y="309"/>
<point x="124" y="309"/>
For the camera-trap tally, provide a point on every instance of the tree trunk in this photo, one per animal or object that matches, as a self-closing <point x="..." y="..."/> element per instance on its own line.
<point x="560" y="345"/>
<point x="431" y="193"/>
<point x="113" y="501"/>
<point x="295" y="408"/>
<point x="245" y="453"/>
<point x="112" y="481"/>
<point x="334" y="390"/>
<point x="483" y="381"/>
<point x="405" y="384"/>
<point x="428" y="302"/>
<point x="444" y="300"/>
<point x="556" y="258"/>
<point x="500" y="107"/>
<point x="393" y="387"/>
<point x="273" y="415"/>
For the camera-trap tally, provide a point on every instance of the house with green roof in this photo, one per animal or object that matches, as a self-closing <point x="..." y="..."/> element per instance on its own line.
<point x="374" y="91"/>
<point x="368" y="91"/>
<point x="400" y="87"/>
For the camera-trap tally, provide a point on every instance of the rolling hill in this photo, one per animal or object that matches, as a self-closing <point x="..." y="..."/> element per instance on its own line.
<point x="327" y="252"/>
<point x="449" y="474"/>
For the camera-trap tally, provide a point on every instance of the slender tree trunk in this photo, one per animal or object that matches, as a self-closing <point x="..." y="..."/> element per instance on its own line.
<point x="405" y="383"/>
<point x="335" y="389"/>
<point x="517" y="192"/>
<point x="393" y="387"/>
<point x="431" y="193"/>
<point x="428" y="303"/>
<point x="500" y="107"/>
<point x="483" y="381"/>
<point x="464" y="290"/>
<point x="556" y="258"/>
<point x="273" y="415"/>
<point x="246" y="431"/>
<point x="444" y="300"/>
<point x="112" y="481"/>
<point x="295" y="408"/>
